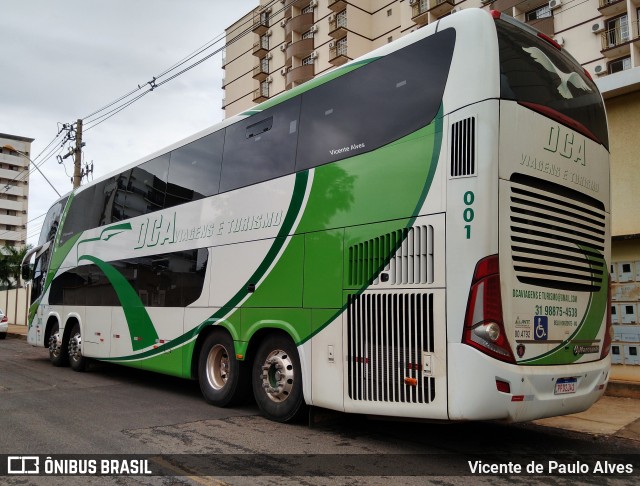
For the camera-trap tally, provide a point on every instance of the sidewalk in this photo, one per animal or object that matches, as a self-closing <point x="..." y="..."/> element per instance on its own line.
<point x="611" y="415"/>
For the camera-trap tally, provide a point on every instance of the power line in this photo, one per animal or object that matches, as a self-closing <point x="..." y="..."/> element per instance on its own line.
<point x="120" y="103"/>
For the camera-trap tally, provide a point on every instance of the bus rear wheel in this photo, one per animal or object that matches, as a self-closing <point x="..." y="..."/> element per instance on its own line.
<point x="223" y="379"/>
<point x="76" y="359"/>
<point x="57" y="352"/>
<point x="277" y="380"/>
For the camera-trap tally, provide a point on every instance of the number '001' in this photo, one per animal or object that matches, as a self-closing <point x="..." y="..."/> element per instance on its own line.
<point x="468" y="214"/>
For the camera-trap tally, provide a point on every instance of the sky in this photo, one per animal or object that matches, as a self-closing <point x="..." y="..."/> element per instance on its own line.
<point x="62" y="60"/>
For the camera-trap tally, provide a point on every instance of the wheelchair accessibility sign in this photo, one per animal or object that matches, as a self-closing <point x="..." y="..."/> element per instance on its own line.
<point x="540" y="328"/>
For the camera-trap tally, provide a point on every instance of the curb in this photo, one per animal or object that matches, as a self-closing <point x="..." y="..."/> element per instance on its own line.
<point x="623" y="389"/>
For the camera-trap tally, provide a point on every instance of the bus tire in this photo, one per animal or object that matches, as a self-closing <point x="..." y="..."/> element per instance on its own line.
<point x="77" y="361"/>
<point x="277" y="379"/>
<point x="223" y="379"/>
<point x="58" y="352"/>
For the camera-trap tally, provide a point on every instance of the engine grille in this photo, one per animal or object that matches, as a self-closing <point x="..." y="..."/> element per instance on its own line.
<point x="557" y="235"/>
<point x="388" y="334"/>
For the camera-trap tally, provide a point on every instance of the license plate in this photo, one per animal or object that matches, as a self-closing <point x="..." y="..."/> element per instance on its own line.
<point x="565" y="386"/>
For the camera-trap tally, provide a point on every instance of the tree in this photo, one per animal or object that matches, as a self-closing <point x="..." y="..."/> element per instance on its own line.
<point x="10" y="263"/>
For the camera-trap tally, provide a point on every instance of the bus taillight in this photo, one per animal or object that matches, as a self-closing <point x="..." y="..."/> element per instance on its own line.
<point x="606" y="343"/>
<point x="483" y="326"/>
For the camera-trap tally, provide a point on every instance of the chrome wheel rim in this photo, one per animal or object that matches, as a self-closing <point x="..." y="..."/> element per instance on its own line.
<point x="55" y="344"/>
<point x="218" y="367"/>
<point x="75" y="347"/>
<point x="278" y="376"/>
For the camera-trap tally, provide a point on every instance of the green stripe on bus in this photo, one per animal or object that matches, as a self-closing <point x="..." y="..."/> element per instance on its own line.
<point x="143" y="333"/>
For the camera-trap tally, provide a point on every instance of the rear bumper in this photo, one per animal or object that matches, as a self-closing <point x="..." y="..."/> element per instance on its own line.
<point x="473" y="394"/>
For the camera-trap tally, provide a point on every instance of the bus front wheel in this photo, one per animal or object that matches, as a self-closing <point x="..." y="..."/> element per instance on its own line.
<point x="223" y="379"/>
<point x="277" y="379"/>
<point x="76" y="359"/>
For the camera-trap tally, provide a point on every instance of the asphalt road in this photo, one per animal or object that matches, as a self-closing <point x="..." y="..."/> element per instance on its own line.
<point x="115" y="410"/>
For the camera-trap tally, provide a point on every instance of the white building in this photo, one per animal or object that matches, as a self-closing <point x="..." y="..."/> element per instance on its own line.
<point x="14" y="189"/>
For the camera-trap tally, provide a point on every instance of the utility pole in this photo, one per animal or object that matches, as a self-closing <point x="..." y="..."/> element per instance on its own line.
<point x="77" y="174"/>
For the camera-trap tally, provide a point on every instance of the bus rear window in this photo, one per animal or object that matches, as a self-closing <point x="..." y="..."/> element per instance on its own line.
<point x="533" y="72"/>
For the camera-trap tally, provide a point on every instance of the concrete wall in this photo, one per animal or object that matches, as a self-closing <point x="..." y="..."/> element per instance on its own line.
<point x="15" y="304"/>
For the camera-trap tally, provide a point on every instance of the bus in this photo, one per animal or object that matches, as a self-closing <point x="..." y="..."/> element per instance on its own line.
<point x="423" y="232"/>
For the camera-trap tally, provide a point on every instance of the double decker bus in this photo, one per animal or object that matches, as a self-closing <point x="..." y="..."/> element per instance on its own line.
<point x="423" y="232"/>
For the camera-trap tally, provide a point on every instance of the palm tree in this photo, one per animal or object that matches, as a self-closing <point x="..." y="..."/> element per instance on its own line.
<point x="10" y="262"/>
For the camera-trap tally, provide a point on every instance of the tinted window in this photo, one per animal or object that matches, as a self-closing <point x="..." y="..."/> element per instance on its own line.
<point x="375" y="104"/>
<point x="146" y="187"/>
<point x="531" y="70"/>
<point x="261" y="147"/>
<point x="118" y="198"/>
<point x="167" y="280"/>
<point x="81" y="215"/>
<point x="51" y="221"/>
<point x="194" y="170"/>
<point x="106" y="193"/>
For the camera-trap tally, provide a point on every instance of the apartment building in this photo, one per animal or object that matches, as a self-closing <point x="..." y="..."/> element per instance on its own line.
<point x="14" y="189"/>
<point x="283" y="43"/>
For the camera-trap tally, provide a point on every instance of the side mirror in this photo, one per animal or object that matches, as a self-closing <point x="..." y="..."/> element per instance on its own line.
<point x="26" y="272"/>
<point x="26" y="268"/>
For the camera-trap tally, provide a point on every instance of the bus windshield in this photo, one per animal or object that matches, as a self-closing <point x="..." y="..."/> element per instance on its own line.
<point x="535" y="74"/>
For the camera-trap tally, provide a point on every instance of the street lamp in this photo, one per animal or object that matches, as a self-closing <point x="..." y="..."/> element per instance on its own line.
<point x="23" y="154"/>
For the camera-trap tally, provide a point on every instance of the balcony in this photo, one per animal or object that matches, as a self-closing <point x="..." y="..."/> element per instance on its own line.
<point x="260" y="23"/>
<point x="299" y="75"/>
<point x="13" y="235"/>
<point x="13" y="159"/>
<point x="617" y="42"/>
<point x="14" y="205"/>
<point x="12" y="220"/>
<point x="337" y="5"/>
<point x="521" y="5"/>
<point x="301" y="48"/>
<point x="261" y="94"/>
<point x="260" y="72"/>
<point x="420" y="12"/>
<point x="10" y="174"/>
<point x="338" y="54"/>
<point x="261" y="48"/>
<point x="294" y="3"/>
<point x="544" y="25"/>
<point x="441" y="7"/>
<point x="300" y="24"/>
<point x="338" y="26"/>
<point x="609" y="8"/>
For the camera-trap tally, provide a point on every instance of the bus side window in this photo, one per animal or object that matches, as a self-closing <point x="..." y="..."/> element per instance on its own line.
<point x="261" y="147"/>
<point x="375" y="104"/>
<point x="146" y="187"/>
<point x="194" y="170"/>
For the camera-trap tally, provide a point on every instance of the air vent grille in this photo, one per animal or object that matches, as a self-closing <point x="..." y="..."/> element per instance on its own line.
<point x="463" y="148"/>
<point x="389" y="337"/>
<point x="411" y="260"/>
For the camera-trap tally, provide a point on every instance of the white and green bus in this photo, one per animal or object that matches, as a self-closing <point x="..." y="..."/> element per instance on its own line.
<point x="422" y="232"/>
